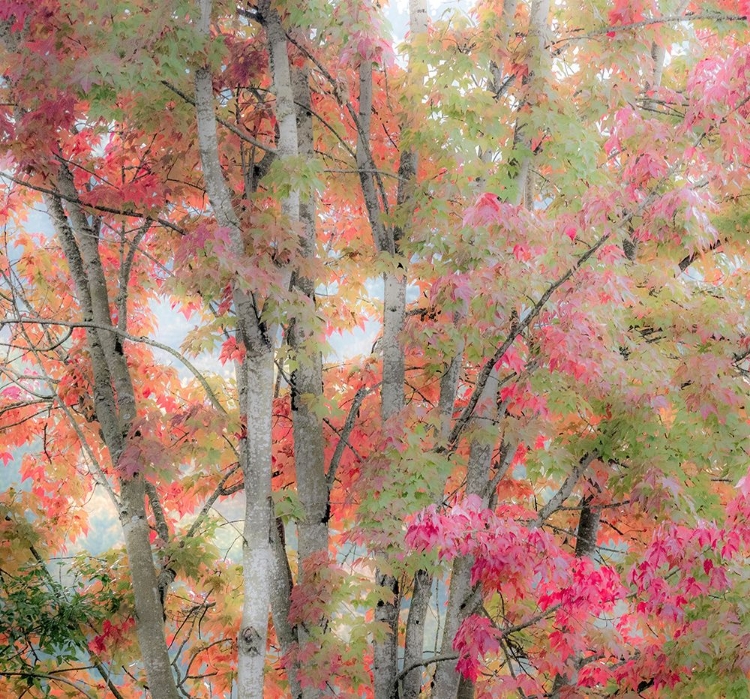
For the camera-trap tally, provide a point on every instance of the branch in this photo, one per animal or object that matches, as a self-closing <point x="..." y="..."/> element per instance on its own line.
<point x="507" y="453"/>
<point x="666" y="19"/>
<point x="359" y="397"/>
<point x="346" y="442"/>
<point x="121" y="302"/>
<point x="519" y="327"/>
<point x="98" y="472"/>
<point x="218" y="491"/>
<point x="425" y="663"/>
<point x="346" y="104"/>
<point x="688" y="260"/>
<point x="162" y="528"/>
<point x="565" y="490"/>
<point x="49" y="678"/>
<point x="133" y="338"/>
<point x="529" y="622"/>
<point x="95" y="207"/>
<point x="240" y="133"/>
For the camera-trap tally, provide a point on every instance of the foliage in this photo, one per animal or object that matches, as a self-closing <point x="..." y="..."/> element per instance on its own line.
<point x="563" y="484"/>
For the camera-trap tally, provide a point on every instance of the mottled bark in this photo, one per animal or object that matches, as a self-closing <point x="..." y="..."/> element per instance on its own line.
<point x="463" y="598"/>
<point x="258" y="558"/>
<point x="281" y="590"/>
<point x="423" y="579"/>
<point x="538" y="69"/>
<point x="115" y="411"/>
<point x="307" y="379"/>
<point x="382" y="238"/>
<point x="385" y="665"/>
<point x="414" y="638"/>
<point x="307" y="382"/>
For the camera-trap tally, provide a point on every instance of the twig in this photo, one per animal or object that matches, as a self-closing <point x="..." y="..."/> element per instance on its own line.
<point x="227" y="124"/>
<point x="95" y="207"/>
<point x="666" y="19"/>
<point x="133" y="338"/>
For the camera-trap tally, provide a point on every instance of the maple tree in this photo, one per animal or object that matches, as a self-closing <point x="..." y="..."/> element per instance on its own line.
<point x="536" y="482"/>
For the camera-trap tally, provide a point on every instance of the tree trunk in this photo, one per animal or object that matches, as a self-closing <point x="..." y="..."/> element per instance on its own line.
<point x="392" y="403"/>
<point x="538" y="70"/>
<point x="115" y="413"/>
<point x="257" y="550"/>
<point x="463" y="597"/>
<point x="422" y="585"/>
<point x="307" y="385"/>
<point x="586" y="536"/>
<point x="258" y="365"/>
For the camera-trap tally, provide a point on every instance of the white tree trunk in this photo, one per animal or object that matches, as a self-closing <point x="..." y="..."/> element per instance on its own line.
<point x="257" y="549"/>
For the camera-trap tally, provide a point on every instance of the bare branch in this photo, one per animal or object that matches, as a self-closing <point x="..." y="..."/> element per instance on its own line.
<point x="133" y="338"/>
<point x="666" y="19"/>
<point x="94" y="207"/>
<point x="240" y="133"/>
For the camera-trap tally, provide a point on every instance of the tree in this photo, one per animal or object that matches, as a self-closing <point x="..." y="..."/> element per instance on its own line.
<point x="534" y="484"/>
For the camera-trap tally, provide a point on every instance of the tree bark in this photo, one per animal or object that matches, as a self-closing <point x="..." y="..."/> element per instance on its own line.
<point x="258" y="365"/>
<point x="258" y="558"/>
<point x="115" y="413"/>
<point x="385" y="665"/>
<point x="463" y="597"/>
<point x="422" y="585"/>
<point x="307" y="378"/>
<point x="586" y="536"/>
<point x="307" y="384"/>
<point x="538" y="70"/>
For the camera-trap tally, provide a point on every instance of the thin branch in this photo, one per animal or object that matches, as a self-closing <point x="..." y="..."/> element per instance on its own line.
<point x="49" y="678"/>
<point x="518" y="327"/>
<point x="507" y="457"/>
<point x="666" y="19"/>
<point x="565" y="490"/>
<point x="97" y="471"/>
<point x="346" y="442"/>
<point x="121" y="302"/>
<point x="95" y="207"/>
<point x="218" y="492"/>
<point x="425" y="663"/>
<point x="506" y="631"/>
<point x="343" y="442"/>
<point x="240" y="133"/>
<point x="133" y="338"/>
<point x="346" y="104"/>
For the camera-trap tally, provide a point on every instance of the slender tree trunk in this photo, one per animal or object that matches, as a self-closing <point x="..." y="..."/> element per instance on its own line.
<point x="307" y="386"/>
<point x="414" y="638"/>
<point x="307" y="379"/>
<point x="281" y="591"/>
<point x="538" y="70"/>
<point x="115" y="413"/>
<point x="385" y="665"/>
<point x="422" y="584"/>
<point x="463" y="597"/>
<point x="257" y="552"/>
<point x="258" y="365"/>
<point x="586" y="536"/>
